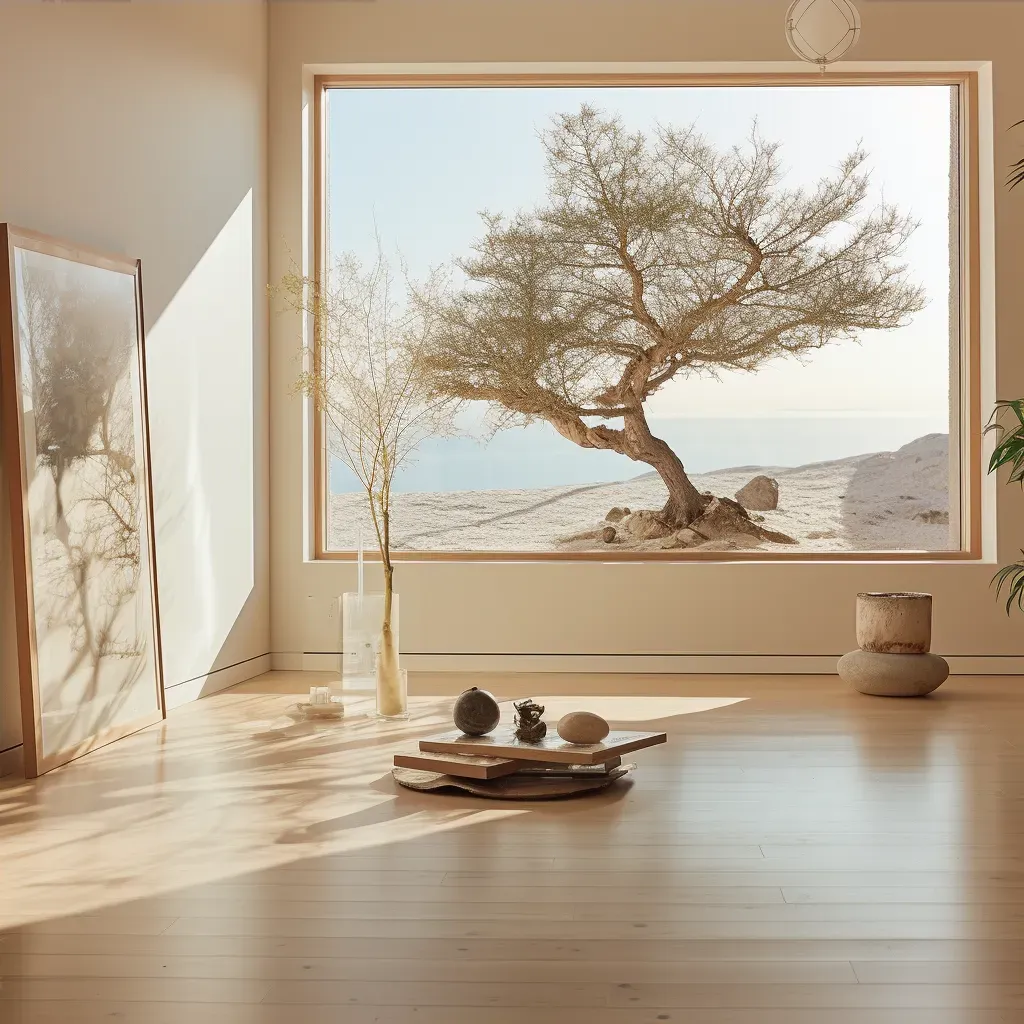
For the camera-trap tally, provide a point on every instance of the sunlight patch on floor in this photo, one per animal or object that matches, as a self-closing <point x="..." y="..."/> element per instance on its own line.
<point x="223" y="794"/>
<point x="633" y="709"/>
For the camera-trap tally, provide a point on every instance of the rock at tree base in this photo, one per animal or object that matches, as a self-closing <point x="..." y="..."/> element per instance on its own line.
<point x="608" y="535"/>
<point x="585" y="535"/>
<point x="616" y="515"/>
<point x="778" y="538"/>
<point x="645" y="525"/>
<point x="723" y="545"/>
<point x="688" y="538"/>
<point x="693" y="541"/>
<point x="731" y="503"/>
<point x="725" y="519"/>
<point x="761" y="494"/>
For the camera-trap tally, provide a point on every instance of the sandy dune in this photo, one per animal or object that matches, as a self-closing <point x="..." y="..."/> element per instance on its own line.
<point x="878" y="502"/>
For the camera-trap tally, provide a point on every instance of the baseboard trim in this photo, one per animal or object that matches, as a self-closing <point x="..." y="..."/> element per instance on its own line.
<point x="295" y="661"/>
<point x="12" y="761"/>
<point x="655" y="664"/>
<point x="221" y="678"/>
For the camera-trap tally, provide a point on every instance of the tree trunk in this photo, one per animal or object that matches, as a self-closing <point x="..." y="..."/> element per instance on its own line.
<point x="685" y="502"/>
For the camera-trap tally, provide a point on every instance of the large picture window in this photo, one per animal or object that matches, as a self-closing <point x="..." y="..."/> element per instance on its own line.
<point x="681" y="317"/>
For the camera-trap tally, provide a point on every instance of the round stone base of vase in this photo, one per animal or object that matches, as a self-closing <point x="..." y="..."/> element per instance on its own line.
<point x="893" y="675"/>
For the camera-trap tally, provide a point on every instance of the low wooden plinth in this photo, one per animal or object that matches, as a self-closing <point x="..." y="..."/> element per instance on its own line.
<point x="512" y="787"/>
<point x="503" y="743"/>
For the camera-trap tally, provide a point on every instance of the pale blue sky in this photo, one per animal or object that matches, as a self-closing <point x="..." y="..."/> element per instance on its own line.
<point x="420" y="163"/>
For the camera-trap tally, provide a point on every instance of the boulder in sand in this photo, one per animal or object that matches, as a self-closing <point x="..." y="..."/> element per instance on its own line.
<point x="646" y="525"/>
<point x="688" y="538"/>
<point x="608" y="535"/>
<point x="761" y="494"/>
<point x="616" y="515"/>
<point x="726" y="544"/>
<point x="724" y="518"/>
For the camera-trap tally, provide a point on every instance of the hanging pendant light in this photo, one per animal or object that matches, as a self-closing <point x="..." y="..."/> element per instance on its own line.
<point x="821" y="31"/>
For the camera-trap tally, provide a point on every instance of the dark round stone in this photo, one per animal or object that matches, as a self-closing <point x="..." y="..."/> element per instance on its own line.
<point x="476" y="712"/>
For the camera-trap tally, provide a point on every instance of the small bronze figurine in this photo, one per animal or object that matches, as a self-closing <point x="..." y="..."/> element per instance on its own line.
<point x="529" y="727"/>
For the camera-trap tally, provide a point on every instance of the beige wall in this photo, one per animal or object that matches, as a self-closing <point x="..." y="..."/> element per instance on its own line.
<point x="141" y="129"/>
<point x="572" y="608"/>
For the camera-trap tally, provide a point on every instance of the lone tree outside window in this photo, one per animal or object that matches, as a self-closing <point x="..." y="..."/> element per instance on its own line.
<point x="657" y="258"/>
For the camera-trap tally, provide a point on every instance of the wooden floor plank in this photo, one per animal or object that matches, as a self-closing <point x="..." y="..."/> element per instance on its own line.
<point x="763" y="875"/>
<point x="820" y="997"/>
<point x="672" y="951"/>
<point x="835" y="927"/>
<point x="602" y="972"/>
<point x="165" y="990"/>
<point x="509" y="993"/>
<point x="956" y="972"/>
<point x="974" y="895"/>
<point x="273" y="905"/>
<point x="42" y="1012"/>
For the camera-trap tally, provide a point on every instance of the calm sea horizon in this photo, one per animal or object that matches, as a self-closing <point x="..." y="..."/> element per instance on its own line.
<point x="536" y="456"/>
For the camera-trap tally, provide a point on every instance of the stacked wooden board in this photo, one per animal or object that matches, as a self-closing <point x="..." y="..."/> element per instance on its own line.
<point x="500" y="765"/>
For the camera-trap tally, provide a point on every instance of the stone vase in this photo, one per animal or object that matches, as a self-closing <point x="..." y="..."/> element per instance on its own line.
<point x="894" y="659"/>
<point x="894" y="623"/>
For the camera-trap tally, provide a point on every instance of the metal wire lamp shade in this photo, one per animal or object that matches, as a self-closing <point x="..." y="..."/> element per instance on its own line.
<point x="821" y="31"/>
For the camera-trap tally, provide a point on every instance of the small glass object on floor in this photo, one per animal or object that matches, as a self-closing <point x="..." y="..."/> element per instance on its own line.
<point x="321" y="704"/>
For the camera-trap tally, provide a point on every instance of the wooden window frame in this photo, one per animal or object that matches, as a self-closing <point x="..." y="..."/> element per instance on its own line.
<point x="969" y="348"/>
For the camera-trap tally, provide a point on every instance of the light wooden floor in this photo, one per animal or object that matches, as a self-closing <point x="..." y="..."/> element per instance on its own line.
<point x="800" y="856"/>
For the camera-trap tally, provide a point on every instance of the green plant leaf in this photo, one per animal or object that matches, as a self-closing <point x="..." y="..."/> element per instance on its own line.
<point x="1011" y="577"/>
<point x="1016" y="405"/>
<point x="1016" y="175"/>
<point x="1009" y="449"/>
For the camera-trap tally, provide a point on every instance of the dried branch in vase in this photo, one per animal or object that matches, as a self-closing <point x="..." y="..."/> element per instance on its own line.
<point x="365" y="375"/>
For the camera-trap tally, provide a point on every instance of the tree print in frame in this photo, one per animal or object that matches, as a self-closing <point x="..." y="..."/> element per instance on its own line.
<point x="76" y="458"/>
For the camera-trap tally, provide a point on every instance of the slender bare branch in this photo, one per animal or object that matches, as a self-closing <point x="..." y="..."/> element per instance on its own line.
<point x="365" y="374"/>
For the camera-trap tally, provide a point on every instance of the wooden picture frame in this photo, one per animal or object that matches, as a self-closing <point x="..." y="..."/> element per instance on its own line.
<point x="75" y="431"/>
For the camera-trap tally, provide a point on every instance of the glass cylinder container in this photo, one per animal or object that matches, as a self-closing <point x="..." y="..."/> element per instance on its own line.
<point x="361" y="618"/>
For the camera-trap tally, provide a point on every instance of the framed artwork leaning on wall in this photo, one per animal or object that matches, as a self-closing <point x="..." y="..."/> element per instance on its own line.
<point x="74" y="425"/>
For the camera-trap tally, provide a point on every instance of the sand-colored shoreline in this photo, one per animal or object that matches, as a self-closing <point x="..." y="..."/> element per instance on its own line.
<point x="883" y="501"/>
